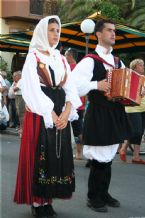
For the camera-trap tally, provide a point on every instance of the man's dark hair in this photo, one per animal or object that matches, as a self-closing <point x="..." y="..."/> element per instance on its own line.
<point x="73" y="52"/>
<point x="100" y="25"/>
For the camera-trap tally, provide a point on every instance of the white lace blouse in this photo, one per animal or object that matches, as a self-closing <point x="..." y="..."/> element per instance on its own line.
<point x="34" y="97"/>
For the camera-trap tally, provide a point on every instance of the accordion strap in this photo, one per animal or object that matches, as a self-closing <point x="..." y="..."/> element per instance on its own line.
<point x="116" y="61"/>
<point x="97" y="57"/>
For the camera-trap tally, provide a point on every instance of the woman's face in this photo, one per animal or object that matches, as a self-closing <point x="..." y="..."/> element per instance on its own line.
<point x="140" y="68"/>
<point x="53" y="34"/>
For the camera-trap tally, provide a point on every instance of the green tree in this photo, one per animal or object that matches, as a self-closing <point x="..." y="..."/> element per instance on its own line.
<point x="77" y="10"/>
<point x="4" y="67"/>
<point x="133" y="12"/>
<point x="110" y="10"/>
<point x="129" y="12"/>
<point x="137" y="15"/>
<point x="3" y="64"/>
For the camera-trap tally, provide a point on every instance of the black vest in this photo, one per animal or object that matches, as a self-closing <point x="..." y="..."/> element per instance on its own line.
<point x="95" y="96"/>
<point x="105" y="122"/>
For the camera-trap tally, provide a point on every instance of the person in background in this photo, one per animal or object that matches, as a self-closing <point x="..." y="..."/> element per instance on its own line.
<point x="20" y="104"/>
<point x="46" y="169"/>
<point x="71" y="55"/>
<point x="105" y="123"/>
<point x="136" y="116"/>
<point x="3" y="87"/>
<point x="8" y="85"/>
<point x="14" y="119"/>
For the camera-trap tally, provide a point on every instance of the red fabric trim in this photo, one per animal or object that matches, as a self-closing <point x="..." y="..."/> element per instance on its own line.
<point x="38" y="59"/>
<point x="23" y="191"/>
<point x="97" y="57"/>
<point x="134" y="85"/>
<point x="116" y="61"/>
<point x="72" y="66"/>
<point x="62" y="57"/>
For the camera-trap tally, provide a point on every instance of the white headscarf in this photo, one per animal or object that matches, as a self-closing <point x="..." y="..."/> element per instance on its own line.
<point x="40" y="35"/>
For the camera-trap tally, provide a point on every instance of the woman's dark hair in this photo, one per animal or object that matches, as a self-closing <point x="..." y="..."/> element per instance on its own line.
<point x="100" y="25"/>
<point x="53" y="20"/>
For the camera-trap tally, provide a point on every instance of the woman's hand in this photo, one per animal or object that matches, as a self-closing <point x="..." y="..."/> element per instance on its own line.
<point x="62" y="120"/>
<point x="63" y="117"/>
<point x="54" y="117"/>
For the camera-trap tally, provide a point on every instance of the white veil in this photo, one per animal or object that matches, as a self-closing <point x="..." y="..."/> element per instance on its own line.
<point x="40" y="35"/>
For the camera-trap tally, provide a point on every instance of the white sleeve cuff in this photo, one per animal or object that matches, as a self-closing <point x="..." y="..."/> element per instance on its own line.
<point x="73" y="115"/>
<point x="48" y="120"/>
<point x="74" y="100"/>
<point x="93" y="85"/>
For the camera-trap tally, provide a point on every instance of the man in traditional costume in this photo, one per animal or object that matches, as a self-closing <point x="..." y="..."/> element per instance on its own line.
<point x="105" y="122"/>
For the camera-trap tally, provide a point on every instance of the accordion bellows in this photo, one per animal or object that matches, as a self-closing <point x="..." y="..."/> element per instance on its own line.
<point x="126" y="86"/>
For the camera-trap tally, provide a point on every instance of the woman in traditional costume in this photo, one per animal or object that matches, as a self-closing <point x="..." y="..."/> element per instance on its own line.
<point x="46" y="169"/>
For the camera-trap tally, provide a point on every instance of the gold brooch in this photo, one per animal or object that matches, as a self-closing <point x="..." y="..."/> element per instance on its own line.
<point x="41" y="65"/>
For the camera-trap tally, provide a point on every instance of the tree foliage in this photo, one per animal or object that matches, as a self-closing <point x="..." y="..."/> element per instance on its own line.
<point x="129" y="12"/>
<point x="77" y="10"/>
<point x="110" y="10"/>
<point x="4" y="67"/>
<point x="3" y="64"/>
<point x="133" y="12"/>
<point x="136" y="17"/>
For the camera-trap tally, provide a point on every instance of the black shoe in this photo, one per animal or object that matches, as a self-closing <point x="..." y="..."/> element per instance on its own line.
<point x="49" y="211"/>
<point x="112" y="202"/>
<point x="38" y="212"/>
<point x="97" y="206"/>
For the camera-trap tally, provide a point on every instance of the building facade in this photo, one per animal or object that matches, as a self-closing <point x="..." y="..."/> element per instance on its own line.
<point x="20" y="16"/>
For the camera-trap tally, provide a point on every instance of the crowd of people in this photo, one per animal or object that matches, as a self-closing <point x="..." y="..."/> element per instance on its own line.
<point x="12" y="101"/>
<point x="52" y="90"/>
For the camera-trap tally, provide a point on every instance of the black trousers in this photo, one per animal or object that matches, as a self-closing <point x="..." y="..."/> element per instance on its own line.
<point x="137" y="121"/>
<point x="99" y="181"/>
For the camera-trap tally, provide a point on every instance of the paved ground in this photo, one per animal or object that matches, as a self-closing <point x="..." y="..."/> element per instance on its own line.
<point x="128" y="185"/>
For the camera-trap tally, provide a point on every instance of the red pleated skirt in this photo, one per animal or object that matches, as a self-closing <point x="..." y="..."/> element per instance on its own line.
<point x="23" y="190"/>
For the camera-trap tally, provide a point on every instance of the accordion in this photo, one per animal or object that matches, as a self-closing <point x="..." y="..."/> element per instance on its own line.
<point x="126" y="86"/>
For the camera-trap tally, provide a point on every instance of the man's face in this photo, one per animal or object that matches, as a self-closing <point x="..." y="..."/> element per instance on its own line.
<point x="16" y="77"/>
<point x="107" y="35"/>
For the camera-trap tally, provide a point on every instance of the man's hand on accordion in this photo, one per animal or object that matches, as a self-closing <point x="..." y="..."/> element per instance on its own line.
<point x="103" y="85"/>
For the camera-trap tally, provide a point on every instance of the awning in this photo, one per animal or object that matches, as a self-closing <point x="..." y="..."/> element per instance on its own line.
<point x="18" y="42"/>
<point x="127" y="39"/>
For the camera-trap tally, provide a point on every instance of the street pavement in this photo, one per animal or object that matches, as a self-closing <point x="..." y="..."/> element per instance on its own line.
<point x="127" y="185"/>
